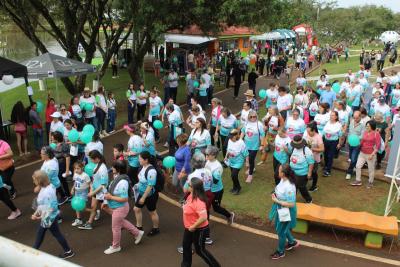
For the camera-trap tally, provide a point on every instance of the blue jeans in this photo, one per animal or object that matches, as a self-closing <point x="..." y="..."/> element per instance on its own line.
<point x="55" y="231"/>
<point x="329" y="153"/>
<point x="38" y="138"/>
<point x="283" y="231"/>
<point x="354" y="151"/>
<point x="111" y="120"/>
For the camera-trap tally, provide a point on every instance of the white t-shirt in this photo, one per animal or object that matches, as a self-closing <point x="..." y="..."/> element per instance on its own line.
<point x="141" y="101"/>
<point x="301" y="100"/>
<point x="321" y="120"/>
<point x="82" y="181"/>
<point x="321" y="84"/>
<point x="54" y="126"/>
<point x="90" y="100"/>
<point x="195" y="117"/>
<point x="284" y="101"/>
<point x="199" y="139"/>
<point x="244" y="116"/>
<point x="94" y="146"/>
<point x="350" y="76"/>
<point x="206" y="78"/>
<point x="65" y="116"/>
<point x="101" y="103"/>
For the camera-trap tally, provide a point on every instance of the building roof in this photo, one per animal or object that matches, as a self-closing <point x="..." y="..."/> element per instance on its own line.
<point x="225" y="32"/>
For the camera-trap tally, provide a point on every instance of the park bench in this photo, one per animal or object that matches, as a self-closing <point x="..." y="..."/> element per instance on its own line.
<point x="375" y="226"/>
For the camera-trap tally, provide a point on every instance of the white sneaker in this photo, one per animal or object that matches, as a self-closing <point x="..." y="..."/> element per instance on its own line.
<point x="14" y="215"/>
<point x="348" y="176"/>
<point x="166" y="144"/>
<point x="112" y="250"/>
<point x="138" y="238"/>
<point x="77" y="222"/>
<point x="97" y="217"/>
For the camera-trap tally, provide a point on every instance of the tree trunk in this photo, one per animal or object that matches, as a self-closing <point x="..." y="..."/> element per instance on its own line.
<point x="135" y="69"/>
<point x="68" y="84"/>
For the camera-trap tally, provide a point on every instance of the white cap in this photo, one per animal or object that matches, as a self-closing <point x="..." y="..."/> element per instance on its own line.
<point x="56" y="115"/>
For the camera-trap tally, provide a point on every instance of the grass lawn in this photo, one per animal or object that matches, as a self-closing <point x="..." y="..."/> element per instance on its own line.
<point x="255" y="201"/>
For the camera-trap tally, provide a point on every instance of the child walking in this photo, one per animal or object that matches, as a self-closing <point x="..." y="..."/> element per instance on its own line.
<point x="80" y="188"/>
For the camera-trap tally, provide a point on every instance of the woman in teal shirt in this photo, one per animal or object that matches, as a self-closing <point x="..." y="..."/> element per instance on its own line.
<point x="203" y="98"/>
<point x="226" y="123"/>
<point x="284" y="198"/>
<point x="117" y="204"/>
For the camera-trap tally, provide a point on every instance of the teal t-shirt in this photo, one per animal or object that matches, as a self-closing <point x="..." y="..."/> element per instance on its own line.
<point x="253" y="132"/>
<point x="216" y="171"/>
<point x="236" y="153"/>
<point x="226" y="125"/>
<point x="135" y="144"/>
<point x="300" y="159"/>
<point x="120" y="190"/>
<point x="280" y="153"/>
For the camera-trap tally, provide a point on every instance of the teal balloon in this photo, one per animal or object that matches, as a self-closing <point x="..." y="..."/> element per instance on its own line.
<point x="88" y="128"/>
<point x="89" y="168"/>
<point x="60" y="129"/>
<point x="86" y="137"/>
<point x="169" y="162"/>
<point x="39" y="106"/>
<point x="354" y="140"/>
<point x="78" y="203"/>
<point x="53" y="145"/>
<point x="336" y="87"/>
<point x="157" y="124"/>
<point x="82" y="105"/>
<point x="196" y="84"/>
<point x="262" y="93"/>
<point x="73" y="136"/>
<point x="88" y="107"/>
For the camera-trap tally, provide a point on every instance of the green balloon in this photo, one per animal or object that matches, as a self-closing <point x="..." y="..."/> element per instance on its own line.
<point x="88" y="128"/>
<point x="196" y="84"/>
<point x="86" y="138"/>
<point x="353" y="140"/>
<point x="157" y="124"/>
<point x="89" y="168"/>
<point x="73" y="136"/>
<point x="88" y="107"/>
<point x="39" y="106"/>
<point x="60" y="129"/>
<point x="53" y="145"/>
<point x="169" y="162"/>
<point x="78" y="203"/>
<point x="82" y="105"/>
<point x="262" y="93"/>
<point x="336" y="87"/>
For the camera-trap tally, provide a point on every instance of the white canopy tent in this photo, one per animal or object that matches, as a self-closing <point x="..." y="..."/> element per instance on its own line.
<point x="186" y="39"/>
<point x="389" y="36"/>
<point x="268" y="36"/>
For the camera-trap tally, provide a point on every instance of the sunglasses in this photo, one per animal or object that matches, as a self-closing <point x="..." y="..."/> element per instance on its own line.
<point x="252" y="117"/>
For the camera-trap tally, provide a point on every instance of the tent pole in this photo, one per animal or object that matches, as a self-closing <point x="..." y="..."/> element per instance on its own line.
<point x="27" y="84"/>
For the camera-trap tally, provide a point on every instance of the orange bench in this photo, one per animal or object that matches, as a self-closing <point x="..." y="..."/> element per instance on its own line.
<point x="375" y="225"/>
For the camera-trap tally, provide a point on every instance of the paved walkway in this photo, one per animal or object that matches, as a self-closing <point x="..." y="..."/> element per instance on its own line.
<point x="232" y="247"/>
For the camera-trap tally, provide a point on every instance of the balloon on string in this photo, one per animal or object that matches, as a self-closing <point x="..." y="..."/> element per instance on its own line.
<point x="169" y="162"/>
<point x="78" y="203"/>
<point x="39" y="106"/>
<point x="89" y="168"/>
<point x="88" y="107"/>
<point x="354" y="140"/>
<point x="196" y="84"/>
<point x="53" y="146"/>
<point x="82" y="105"/>
<point x="262" y="93"/>
<point x="336" y="87"/>
<point x="157" y="124"/>
<point x="60" y="129"/>
<point x="73" y="136"/>
<point x="86" y="137"/>
<point x="88" y="128"/>
<point x="8" y="79"/>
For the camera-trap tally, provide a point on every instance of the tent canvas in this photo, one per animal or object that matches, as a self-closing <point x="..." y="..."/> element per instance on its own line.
<point x="266" y="36"/>
<point x="54" y="66"/>
<point x="187" y="39"/>
<point x="9" y="67"/>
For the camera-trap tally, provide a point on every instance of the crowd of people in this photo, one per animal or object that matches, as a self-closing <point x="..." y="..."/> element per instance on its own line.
<point x="301" y="132"/>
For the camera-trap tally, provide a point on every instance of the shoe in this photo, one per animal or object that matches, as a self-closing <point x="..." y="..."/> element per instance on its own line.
<point x="113" y="131"/>
<point x="104" y="133"/>
<point x="326" y="174"/>
<point x="138" y="238"/>
<point x="180" y="250"/>
<point x="112" y="250"/>
<point x="260" y="163"/>
<point x="62" y="201"/>
<point x="313" y="188"/>
<point x="309" y="202"/>
<point x="232" y="190"/>
<point x="153" y="232"/>
<point x="289" y="246"/>
<point x="370" y="185"/>
<point x="14" y="215"/>
<point x="86" y="226"/>
<point x="277" y="255"/>
<point x="209" y="241"/>
<point x="236" y="192"/>
<point x="59" y="221"/>
<point x="13" y="195"/>
<point x="249" y="179"/>
<point x="66" y="255"/>
<point x="356" y="183"/>
<point x="97" y="216"/>
<point x="166" y="144"/>
<point x="348" y="176"/>
<point x="101" y="136"/>
<point x="230" y="219"/>
<point x="77" y="222"/>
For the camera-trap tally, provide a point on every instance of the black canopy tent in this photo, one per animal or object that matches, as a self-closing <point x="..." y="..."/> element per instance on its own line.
<point x="9" y="67"/>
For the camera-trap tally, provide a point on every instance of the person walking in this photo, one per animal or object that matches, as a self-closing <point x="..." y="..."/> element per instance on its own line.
<point x="142" y="96"/>
<point x="37" y="127"/>
<point x="19" y="119"/>
<point x="196" y="225"/>
<point x="5" y="198"/>
<point x="131" y="96"/>
<point x="173" y="80"/>
<point x="283" y="212"/>
<point x="252" y="79"/>
<point x="356" y="128"/>
<point x="314" y="141"/>
<point x="237" y="77"/>
<point x="332" y="134"/>
<point x="7" y="168"/>
<point x="117" y="206"/>
<point x="114" y="67"/>
<point x="182" y="166"/>
<point x="47" y="212"/>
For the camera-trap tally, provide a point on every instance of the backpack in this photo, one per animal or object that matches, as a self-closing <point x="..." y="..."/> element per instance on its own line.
<point x="114" y="183"/>
<point x="160" y="178"/>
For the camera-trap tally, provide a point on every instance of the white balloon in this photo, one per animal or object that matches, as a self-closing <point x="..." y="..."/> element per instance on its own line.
<point x="8" y="79"/>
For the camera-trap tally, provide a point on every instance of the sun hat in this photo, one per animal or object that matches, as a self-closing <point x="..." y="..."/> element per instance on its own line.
<point x="56" y="115"/>
<point x="86" y="89"/>
<point x="249" y="93"/>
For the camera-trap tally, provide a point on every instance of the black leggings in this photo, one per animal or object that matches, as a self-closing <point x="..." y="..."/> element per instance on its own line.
<point x="216" y="204"/>
<point x="276" y="164"/>
<point x="7" y="175"/>
<point x="224" y="142"/>
<point x="252" y="159"/>
<point x="133" y="174"/>
<point x="197" y="238"/>
<point x="55" y="231"/>
<point x="156" y="132"/>
<point x="5" y="197"/>
<point x="141" y="111"/>
<point x="213" y="129"/>
<point x="235" y="178"/>
<point x="63" y="180"/>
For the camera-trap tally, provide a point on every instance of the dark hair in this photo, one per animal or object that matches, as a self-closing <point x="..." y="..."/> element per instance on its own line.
<point x="33" y="103"/>
<point x="170" y="107"/>
<point x="68" y="121"/>
<point x="58" y="136"/>
<point x="363" y="111"/>
<point x="247" y="103"/>
<point x="296" y="110"/>
<point x="145" y="155"/>
<point x="372" y="124"/>
<point x="336" y="113"/>
<point x="119" y="147"/>
<point x="203" y="125"/>
<point x="297" y="138"/>
<point x="282" y="89"/>
<point x="325" y="106"/>
<point x="226" y="110"/>
<point x="79" y="164"/>
<point x="48" y="151"/>
<point x="120" y="166"/>
<point x="288" y="172"/>
<point x="198" y="189"/>
<point x="18" y="113"/>
<point x="313" y="126"/>
<point x="95" y="154"/>
<point x="96" y="136"/>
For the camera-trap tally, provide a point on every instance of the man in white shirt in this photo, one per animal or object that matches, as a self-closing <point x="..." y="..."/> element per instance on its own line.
<point x="173" y="84"/>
